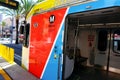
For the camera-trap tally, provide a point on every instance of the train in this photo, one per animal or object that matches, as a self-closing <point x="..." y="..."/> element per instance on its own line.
<point x="58" y="31"/>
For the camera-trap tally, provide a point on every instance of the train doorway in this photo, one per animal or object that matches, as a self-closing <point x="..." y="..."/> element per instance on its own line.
<point x="92" y="45"/>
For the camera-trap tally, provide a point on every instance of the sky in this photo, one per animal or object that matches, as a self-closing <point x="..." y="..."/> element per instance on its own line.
<point x="0" y="17"/>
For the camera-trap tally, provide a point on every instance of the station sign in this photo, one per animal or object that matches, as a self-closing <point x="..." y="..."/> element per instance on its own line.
<point x="9" y="3"/>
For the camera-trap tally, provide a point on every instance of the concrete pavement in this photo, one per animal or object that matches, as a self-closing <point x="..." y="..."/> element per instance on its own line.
<point x="15" y="71"/>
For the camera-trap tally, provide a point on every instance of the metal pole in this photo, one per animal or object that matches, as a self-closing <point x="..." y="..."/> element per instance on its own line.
<point x="108" y="57"/>
<point x="12" y="29"/>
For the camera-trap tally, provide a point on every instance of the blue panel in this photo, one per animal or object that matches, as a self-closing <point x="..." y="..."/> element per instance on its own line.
<point x="94" y="5"/>
<point x="53" y="70"/>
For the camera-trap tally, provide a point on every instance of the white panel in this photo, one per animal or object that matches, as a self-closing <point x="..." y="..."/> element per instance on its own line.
<point x="25" y="58"/>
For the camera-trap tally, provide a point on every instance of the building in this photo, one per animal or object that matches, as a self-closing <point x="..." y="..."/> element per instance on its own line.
<point x="9" y="30"/>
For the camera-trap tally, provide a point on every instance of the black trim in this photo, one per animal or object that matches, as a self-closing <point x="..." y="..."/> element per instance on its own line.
<point x="26" y="34"/>
<point x="64" y="47"/>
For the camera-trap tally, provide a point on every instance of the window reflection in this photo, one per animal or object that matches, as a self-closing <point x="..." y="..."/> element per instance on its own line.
<point x="116" y="41"/>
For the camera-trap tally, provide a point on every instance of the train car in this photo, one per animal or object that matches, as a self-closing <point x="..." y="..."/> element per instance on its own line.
<point x="56" y="36"/>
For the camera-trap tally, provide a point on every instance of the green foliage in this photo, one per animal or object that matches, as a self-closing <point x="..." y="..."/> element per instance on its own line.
<point x="11" y="12"/>
<point x="3" y="23"/>
<point x="23" y="9"/>
<point x="27" y="6"/>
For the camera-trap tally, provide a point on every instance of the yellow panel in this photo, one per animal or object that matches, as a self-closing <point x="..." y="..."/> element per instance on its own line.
<point x="11" y="55"/>
<point x="45" y="5"/>
<point x="7" y="53"/>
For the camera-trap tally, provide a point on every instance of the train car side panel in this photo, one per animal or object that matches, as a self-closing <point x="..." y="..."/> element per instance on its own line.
<point x="43" y="33"/>
<point x="55" y="57"/>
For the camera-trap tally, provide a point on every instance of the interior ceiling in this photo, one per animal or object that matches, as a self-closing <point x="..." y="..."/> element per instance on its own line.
<point x="107" y="15"/>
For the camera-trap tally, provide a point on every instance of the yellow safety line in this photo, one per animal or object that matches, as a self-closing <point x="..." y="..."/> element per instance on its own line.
<point x="4" y="74"/>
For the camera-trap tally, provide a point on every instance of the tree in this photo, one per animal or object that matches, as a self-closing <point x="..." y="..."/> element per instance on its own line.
<point x="27" y="5"/>
<point x="3" y="24"/>
<point x="23" y="9"/>
<point x="13" y="13"/>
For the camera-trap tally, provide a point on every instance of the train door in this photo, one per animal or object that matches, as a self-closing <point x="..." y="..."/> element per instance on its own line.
<point x="79" y="48"/>
<point x="99" y="46"/>
<point x="95" y="35"/>
<point x="78" y="45"/>
<point x="108" y="49"/>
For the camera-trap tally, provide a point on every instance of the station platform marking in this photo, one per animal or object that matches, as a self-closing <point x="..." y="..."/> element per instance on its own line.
<point x="4" y="75"/>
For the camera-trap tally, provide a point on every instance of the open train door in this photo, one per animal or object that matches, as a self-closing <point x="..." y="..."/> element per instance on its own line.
<point x="96" y="34"/>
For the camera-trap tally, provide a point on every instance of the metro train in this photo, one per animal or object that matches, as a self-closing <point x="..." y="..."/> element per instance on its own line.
<point x="55" y="34"/>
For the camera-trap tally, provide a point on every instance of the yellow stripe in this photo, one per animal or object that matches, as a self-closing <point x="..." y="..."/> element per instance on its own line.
<point x="4" y="74"/>
<point x="44" y="5"/>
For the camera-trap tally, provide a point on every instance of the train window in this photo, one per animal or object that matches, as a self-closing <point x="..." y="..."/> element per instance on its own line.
<point x="21" y="32"/>
<point x="102" y="40"/>
<point x="116" y="41"/>
<point x="21" y="29"/>
<point x="26" y="34"/>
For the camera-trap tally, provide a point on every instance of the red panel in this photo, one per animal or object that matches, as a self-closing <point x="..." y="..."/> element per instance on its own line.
<point x="43" y="34"/>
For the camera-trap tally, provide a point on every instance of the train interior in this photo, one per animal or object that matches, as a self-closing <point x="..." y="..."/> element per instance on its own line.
<point x="92" y="45"/>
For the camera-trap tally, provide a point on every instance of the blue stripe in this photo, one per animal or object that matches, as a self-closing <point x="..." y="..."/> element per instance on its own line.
<point x="94" y="5"/>
<point x="51" y="72"/>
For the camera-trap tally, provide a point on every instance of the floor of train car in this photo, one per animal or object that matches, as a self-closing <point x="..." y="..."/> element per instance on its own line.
<point x="92" y="73"/>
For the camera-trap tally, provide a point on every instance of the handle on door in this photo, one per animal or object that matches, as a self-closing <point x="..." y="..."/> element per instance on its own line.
<point x="56" y="56"/>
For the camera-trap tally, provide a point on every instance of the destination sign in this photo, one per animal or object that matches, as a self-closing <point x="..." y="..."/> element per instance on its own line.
<point x="9" y="3"/>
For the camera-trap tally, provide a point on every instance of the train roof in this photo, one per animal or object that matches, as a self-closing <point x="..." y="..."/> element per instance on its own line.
<point x="48" y="5"/>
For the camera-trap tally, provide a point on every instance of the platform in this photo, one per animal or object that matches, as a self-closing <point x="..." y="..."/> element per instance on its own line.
<point x="14" y="72"/>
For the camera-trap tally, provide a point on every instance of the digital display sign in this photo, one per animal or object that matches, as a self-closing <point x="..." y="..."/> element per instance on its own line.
<point x="9" y="3"/>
